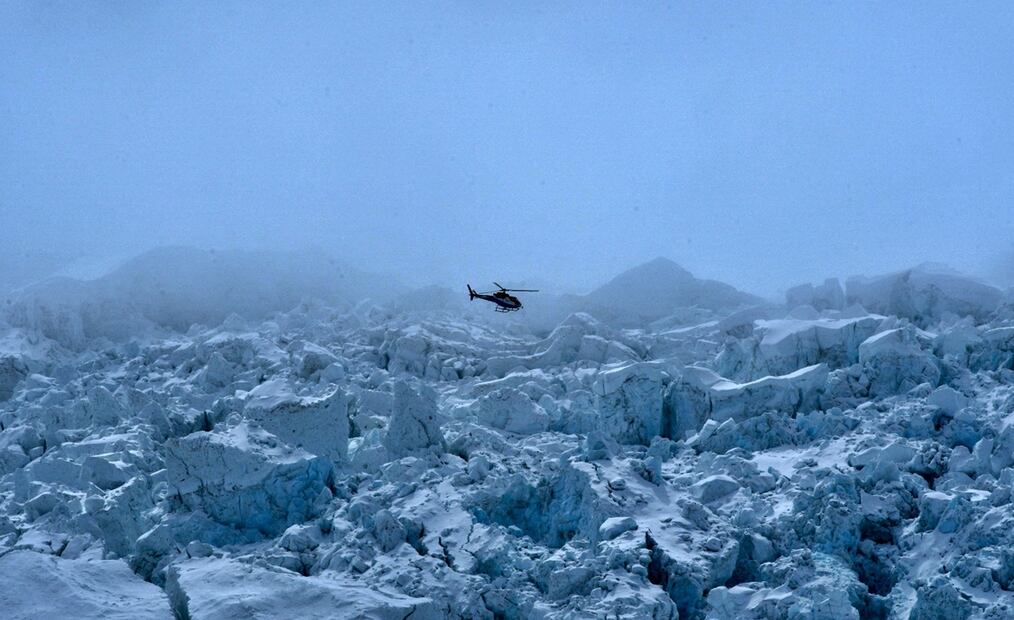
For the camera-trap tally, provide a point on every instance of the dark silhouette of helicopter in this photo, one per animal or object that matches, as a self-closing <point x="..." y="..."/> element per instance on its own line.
<point x="505" y="302"/>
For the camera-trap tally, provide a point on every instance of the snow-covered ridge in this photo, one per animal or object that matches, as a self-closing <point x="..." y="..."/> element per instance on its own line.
<point x="821" y="459"/>
<point x="654" y="289"/>
<point x="175" y="287"/>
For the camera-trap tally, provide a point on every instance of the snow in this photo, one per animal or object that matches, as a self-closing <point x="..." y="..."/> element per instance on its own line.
<point x="655" y="289"/>
<point x="319" y="425"/>
<point x="512" y="411"/>
<point x="415" y="423"/>
<point x="245" y="477"/>
<point x="37" y="585"/>
<point x="896" y="361"/>
<point x="826" y="296"/>
<point x="614" y="526"/>
<point x="220" y="589"/>
<point x="178" y="286"/>
<point x="713" y="488"/>
<point x="924" y="294"/>
<point x="344" y="458"/>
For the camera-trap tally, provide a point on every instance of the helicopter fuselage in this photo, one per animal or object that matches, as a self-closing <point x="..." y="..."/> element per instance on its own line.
<point x="504" y="302"/>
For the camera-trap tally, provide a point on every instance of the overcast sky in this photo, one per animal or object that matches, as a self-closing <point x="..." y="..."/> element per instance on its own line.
<point x="763" y="144"/>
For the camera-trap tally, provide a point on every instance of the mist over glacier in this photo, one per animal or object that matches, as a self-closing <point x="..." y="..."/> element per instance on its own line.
<point x="768" y="373"/>
<point x="757" y="147"/>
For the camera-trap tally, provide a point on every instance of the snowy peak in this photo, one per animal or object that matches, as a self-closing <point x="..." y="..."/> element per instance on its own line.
<point x="660" y="268"/>
<point x="659" y="287"/>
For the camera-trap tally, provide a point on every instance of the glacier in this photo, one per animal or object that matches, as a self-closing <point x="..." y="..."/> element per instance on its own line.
<point x="176" y="446"/>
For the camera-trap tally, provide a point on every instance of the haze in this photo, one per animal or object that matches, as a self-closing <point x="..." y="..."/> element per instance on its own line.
<point x="448" y="142"/>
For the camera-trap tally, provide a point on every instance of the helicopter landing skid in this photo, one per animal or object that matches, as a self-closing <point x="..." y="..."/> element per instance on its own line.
<point x="502" y="309"/>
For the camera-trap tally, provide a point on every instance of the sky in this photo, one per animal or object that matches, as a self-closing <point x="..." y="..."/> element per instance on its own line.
<point x="762" y="144"/>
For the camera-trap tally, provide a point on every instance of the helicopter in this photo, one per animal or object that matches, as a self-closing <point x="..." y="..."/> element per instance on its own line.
<point x="505" y="302"/>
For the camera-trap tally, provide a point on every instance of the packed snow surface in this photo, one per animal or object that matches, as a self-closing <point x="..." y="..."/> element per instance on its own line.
<point x="847" y="455"/>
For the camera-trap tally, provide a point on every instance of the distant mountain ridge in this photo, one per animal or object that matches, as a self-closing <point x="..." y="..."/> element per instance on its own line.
<point x="659" y="287"/>
<point x="176" y="287"/>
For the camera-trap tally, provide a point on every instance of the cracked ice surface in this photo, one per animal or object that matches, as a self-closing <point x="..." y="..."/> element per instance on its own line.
<point x="812" y="460"/>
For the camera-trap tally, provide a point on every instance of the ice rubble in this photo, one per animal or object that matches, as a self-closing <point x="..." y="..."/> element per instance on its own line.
<point x="813" y="460"/>
<point x="246" y="478"/>
<point x="924" y="294"/>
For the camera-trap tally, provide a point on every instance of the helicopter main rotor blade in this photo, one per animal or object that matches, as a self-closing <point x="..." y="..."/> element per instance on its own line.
<point x="516" y="290"/>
